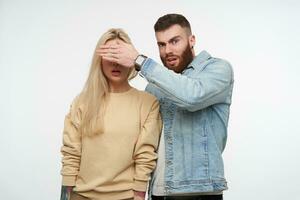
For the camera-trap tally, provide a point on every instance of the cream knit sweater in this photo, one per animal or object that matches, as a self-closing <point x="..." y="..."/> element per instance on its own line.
<point x="113" y="164"/>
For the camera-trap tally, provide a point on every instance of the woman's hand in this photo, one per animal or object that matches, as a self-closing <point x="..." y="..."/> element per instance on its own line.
<point x="139" y="195"/>
<point x="66" y="192"/>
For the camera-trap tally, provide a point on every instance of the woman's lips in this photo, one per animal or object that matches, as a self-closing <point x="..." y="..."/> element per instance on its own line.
<point x="115" y="72"/>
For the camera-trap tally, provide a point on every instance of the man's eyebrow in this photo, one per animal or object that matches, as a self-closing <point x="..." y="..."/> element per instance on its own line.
<point x="174" y="38"/>
<point x="170" y="40"/>
<point x="161" y="43"/>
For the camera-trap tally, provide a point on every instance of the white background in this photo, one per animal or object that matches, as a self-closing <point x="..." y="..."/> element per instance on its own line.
<point x="45" y="52"/>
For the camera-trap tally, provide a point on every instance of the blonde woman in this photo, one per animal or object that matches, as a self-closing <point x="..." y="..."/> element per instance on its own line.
<point x="111" y="133"/>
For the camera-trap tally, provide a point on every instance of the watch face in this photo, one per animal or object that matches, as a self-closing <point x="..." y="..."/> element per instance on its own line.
<point x="140" y="60"/>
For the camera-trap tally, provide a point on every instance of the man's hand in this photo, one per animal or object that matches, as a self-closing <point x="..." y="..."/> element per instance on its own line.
<point x="124" y="54"/>
<point x="66" y="192"/>
<point x="139" y="195"/>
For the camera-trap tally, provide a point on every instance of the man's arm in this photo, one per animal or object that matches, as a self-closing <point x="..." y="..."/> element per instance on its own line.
<point x="210" y="87"/>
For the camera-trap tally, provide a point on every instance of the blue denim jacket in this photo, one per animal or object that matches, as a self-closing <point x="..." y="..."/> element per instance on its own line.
<point x="195" y="109"/>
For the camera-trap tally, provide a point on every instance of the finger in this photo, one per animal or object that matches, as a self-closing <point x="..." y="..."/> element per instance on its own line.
<point x="112" y="46"/>
<point x="109" y="58"/>
<point x="108" y="55"/>
<point x="112" y="51"/>
<point x="104" y="46"/>
<point x="102" y="53"/>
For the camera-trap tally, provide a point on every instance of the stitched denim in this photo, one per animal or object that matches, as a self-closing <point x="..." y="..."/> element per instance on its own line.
<point x="195" y="110"/>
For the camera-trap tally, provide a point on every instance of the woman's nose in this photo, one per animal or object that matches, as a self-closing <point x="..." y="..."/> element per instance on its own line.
<point x="115" y="64"/>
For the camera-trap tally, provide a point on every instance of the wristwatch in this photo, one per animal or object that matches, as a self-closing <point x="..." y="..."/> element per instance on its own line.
<point x="139" y="61"/>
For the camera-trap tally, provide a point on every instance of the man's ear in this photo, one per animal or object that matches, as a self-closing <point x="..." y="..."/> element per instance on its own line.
<point x="192" y="41"/>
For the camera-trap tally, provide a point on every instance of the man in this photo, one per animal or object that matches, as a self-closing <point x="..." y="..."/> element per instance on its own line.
<point x="195" y="96"/>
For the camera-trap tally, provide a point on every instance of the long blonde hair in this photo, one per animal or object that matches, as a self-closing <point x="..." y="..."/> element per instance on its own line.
<point x="94" y="95"/>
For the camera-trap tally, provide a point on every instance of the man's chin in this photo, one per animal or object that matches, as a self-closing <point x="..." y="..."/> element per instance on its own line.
<point x="171" y="67"/>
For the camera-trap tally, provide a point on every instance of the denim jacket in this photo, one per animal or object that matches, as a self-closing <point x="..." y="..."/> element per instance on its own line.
<point x="195" y="109"/>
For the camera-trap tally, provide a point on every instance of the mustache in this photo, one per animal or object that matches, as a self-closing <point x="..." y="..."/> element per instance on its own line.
<point x="171" y="57"/>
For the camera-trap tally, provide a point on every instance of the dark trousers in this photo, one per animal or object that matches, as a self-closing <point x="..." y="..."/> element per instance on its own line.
<point x="196" y="197"/>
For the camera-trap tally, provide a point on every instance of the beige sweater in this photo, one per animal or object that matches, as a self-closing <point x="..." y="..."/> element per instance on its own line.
<point x="113" y="164"/>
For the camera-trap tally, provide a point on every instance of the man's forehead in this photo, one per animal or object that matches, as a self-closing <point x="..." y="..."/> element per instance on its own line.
<point x="169" y="33"/>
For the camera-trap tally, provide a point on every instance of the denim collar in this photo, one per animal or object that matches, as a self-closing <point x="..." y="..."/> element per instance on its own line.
<point x="201" y="57"/>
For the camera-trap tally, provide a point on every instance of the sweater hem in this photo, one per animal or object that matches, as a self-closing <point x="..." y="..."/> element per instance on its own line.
<point x="94" y="195"/>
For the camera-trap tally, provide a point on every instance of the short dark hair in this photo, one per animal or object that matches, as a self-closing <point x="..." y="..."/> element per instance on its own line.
<point x="169" y="20"/>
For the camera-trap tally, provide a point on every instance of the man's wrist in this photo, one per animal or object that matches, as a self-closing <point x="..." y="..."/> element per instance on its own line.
<point x="139" y="61"/>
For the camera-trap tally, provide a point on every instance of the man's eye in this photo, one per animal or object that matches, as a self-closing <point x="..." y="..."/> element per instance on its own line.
<point x="161" y="45"/>
<point x="174" y="41"/>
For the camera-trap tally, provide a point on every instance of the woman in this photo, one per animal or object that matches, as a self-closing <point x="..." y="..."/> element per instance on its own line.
<point x="111" y="133"/>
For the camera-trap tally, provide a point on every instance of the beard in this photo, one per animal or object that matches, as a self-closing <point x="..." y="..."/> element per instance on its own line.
<point x="184" y="60"/>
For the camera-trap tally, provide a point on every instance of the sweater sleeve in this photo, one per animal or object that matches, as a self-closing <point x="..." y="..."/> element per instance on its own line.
<point x="71" y="149"/>
<point x="145" y="150"/>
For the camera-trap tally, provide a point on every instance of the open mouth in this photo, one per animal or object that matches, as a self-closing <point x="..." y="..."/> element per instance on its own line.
<point x="172" y="60"/>
<point x="115" y="72"/>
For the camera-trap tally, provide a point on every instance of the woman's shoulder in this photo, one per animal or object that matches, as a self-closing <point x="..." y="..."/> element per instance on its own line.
<point x="148" y="103"/>
<point x="145" y="96"/>
<point x="77" y="103"/>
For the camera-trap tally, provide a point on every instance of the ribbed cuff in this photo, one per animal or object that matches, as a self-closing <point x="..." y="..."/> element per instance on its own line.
<point x="140" y="186"/>
<point x="68" y="180"/>
<point x="147" y="68"/>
